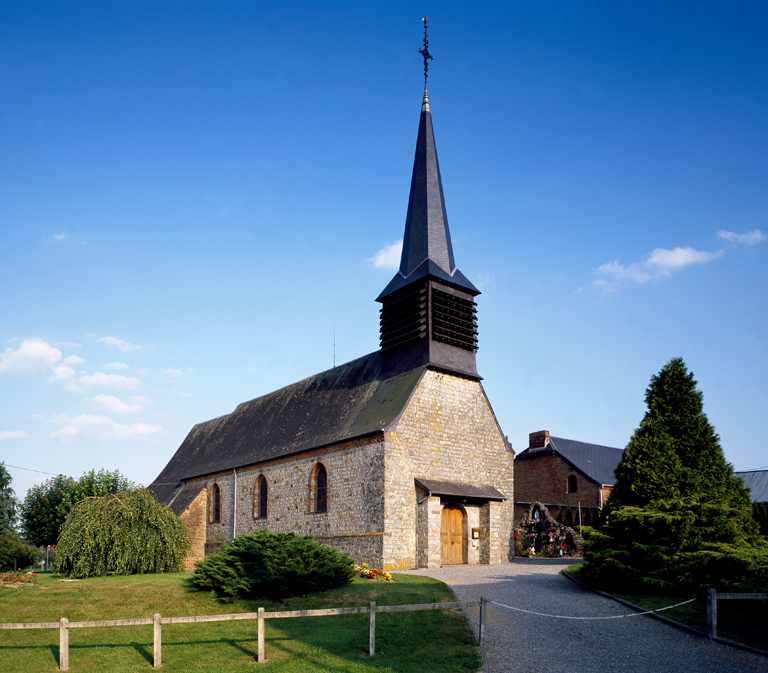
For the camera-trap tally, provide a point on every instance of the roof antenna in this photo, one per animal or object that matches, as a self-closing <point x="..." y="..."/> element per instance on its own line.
<point x="425" y="52"/>
<point x="334" y="344"/>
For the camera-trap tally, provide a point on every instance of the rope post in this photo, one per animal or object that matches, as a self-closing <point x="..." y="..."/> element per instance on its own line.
<point x="260" y="653"/>
<point x="64" y="644"/>
<point x="158" y="637"/>
<point x="372" y="637"/>
<point x="482" y="619"/>
<point x="711" y="614"/>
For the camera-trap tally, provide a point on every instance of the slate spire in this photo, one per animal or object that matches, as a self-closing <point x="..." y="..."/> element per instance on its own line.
<point x="427" y="248"/>
<point x="428" y="314"/>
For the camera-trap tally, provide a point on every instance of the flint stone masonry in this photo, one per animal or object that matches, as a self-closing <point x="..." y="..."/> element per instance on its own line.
<point x="447" y="431"/>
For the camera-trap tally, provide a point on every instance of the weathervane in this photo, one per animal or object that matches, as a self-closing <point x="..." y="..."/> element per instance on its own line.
<point x="425" y="52"/>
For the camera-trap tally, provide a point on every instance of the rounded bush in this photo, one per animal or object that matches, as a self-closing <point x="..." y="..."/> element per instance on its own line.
<point x="275" y="566"/>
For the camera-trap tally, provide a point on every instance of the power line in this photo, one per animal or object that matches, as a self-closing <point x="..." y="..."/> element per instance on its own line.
<point x="29" y="469"/>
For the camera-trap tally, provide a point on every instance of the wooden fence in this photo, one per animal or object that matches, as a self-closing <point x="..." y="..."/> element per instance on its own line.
<point x="713" y="597"/>
<point x="64" y="625"/>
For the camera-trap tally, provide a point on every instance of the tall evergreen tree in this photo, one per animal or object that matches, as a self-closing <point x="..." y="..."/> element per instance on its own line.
<point x="7" y="503"/>
<point x="678" y="516"/>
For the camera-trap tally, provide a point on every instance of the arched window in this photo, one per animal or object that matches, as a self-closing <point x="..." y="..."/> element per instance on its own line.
<point x="215" y="504"/>
<point x="572" y="485"/>
<point x="319" y="489"/>
<point x="260" y="495"/>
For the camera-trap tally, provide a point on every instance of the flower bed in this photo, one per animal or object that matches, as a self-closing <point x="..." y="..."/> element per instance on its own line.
<point x="18" y="578"/>
<point x="372" y="574"/>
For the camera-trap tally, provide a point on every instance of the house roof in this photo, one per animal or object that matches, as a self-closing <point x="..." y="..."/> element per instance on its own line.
<point x="343" y="403"/>
<point x="757" y="482"/>
<point x="453" y="488"/>
<point x="427" y="248"/>
<point x="594" y="460"/>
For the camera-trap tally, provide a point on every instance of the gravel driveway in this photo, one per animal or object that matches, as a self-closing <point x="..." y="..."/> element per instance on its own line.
<point x="516" y="642"/>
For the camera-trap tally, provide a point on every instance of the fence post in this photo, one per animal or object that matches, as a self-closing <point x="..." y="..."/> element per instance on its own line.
<point x="372" y="637"/>
<point x="158" y="654"/>
<point x="63" y="644"/>
<point x="711" y="614"/>
<point x="482" y="619"/>
<point x="260" y="652"/>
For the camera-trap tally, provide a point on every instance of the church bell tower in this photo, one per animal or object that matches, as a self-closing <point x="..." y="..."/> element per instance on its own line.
<point x="428" y="313"/>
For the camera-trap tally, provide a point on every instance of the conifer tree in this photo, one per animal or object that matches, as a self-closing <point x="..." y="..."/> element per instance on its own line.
<point x="678" y="516"/>
<point x="568" y="520"/>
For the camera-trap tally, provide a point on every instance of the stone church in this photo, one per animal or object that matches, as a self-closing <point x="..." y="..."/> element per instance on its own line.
<point x="395" y="458"/>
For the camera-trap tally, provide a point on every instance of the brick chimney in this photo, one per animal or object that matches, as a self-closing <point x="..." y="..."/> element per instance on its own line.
<point x="538" y="440"/>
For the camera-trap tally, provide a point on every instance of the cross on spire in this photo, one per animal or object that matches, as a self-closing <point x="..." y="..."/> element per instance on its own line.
<point x="425" y="52"/>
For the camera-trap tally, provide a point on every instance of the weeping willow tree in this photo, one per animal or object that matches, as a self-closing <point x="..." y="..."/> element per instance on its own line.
<point x="678" y="517"/>
<point x="127" y="533"/>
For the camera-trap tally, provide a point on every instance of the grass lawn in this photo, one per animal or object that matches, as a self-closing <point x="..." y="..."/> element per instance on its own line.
<point x="740" y="621"/>
<point x="429" y="641"/>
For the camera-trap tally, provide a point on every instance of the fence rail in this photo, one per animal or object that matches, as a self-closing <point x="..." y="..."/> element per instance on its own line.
<point x="157" y="622"/>
<point x="712" y="598"/>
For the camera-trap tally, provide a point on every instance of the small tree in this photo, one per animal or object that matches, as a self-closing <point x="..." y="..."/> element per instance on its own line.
<point x="677" y="516"/>
<point x="128" y="533"/>
<point x="14" y="552"/>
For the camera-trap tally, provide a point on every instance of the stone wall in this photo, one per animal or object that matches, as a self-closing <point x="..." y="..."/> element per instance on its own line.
<point x="195" y="519"/>
<point x="353" y="521"/>
<point x="447" y="432"/>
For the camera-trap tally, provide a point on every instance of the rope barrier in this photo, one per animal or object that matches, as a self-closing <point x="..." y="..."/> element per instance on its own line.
<point x="633" y="614"/>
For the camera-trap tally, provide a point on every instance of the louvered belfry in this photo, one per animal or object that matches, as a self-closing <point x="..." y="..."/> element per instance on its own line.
<point x="428" y="313"/>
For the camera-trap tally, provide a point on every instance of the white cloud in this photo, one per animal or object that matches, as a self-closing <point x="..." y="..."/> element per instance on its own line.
<point x="66" y="377"/>
<point x="750" y="238"/>
<point x="115" y="365"/>
<point x="485" y="281"/>
<point x="665" y="261"/>
<point x="12" y="434"/>
<point x="59" y="237"/>
<point x="114" y="405"/>
<point x="77" y="383"/>
<point x="73" y="360"/>
<point x="33" y="356"/>
<point x="121" y="345"/>
<point x="116" y="381"/>
<point x="99" y="428"/>
<point x="174" y="372"/>
<point x="388" y="257"/>
<point x="660" y="263"/>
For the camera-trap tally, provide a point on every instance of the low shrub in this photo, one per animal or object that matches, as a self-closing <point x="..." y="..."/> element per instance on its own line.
<point x="13" y="549"/>
<point x="271" y="565"/>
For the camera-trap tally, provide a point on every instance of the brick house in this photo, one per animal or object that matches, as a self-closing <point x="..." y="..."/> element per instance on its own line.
<point x="563" y="472"/>
<point x="395" y="458"/>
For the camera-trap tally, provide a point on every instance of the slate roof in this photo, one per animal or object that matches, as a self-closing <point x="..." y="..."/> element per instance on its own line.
<point x="594" y="460"/>
<point x="349" y="401"/>
<point x="757" y="482"/>
<point x="427" y="248"/>
<point x="434" y="487"/>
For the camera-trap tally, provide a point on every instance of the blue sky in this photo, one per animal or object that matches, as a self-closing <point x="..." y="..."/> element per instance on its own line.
<point x="197" y="198"/>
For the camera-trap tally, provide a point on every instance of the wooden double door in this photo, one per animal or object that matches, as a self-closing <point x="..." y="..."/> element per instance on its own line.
<point x="452" y="534"/>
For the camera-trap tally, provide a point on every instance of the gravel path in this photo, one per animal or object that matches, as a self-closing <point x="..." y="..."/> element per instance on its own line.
<point x="516" y="642"/>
